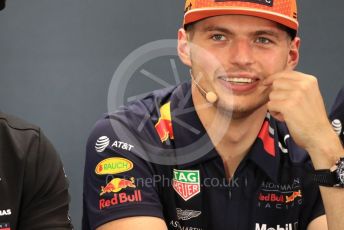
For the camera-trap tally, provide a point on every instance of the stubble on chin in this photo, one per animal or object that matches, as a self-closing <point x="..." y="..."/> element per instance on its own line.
<point x="237" y="111"/>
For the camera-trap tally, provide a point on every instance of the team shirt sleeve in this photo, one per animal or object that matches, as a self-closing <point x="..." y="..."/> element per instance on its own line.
<point x="318" y="208"/>
<point x="118" y="182"/>
<point x="337" y="115"/>
<point x="45" y="200"/>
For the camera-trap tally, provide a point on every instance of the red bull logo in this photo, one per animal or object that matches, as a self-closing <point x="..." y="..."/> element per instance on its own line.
<point x="116" y="185"/>
<point x="271" y="197"/>
<point x="121" y="198"/>
<point x="293" y="196"/>
<point x="164" y="124"/>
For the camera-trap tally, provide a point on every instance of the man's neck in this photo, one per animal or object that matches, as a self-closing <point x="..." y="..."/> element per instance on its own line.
<point x="232" y="136"/>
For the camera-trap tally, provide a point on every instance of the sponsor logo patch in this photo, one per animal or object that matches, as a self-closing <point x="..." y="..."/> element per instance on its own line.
<point x="272" y="197"/>
<point x="187" y="214"/>
<point x="262" y="2"/>
<point x="5" y="226"/>
<point x="116" y="185"/>
<point x="113" y="165"/>
<point x="293" y="196"/>
<point x="280" y="196"/>
<point x="176" y="225"/>
<point x="164" y="124"/>
<point x="121" y="198"/>
<point x="337" y="126"/>
<point x="122" y="145"/>
<point x="289" y="226"/>
<point x="102" y="143"/>
<point x="186" y="183"/>
<point x="5" y="212"/>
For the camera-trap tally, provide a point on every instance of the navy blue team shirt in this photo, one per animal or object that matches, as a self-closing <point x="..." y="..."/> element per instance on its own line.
<point x="153" y="157"/>
<point x="337" y="115"/>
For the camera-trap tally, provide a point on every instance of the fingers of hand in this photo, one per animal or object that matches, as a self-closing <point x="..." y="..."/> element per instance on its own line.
<point x="272" y="78"/>
<point x="294" y="91"/>
<point x="289" y="76"/>
<point x="277" y="106"/>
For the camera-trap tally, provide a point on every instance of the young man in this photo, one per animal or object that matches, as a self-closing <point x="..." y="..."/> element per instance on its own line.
<point x="33" y="185"/>
<point x="259" y="116"/>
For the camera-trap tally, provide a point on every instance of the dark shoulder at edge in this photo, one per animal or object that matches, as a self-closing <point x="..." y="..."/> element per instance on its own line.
<point x="17" y="124"/>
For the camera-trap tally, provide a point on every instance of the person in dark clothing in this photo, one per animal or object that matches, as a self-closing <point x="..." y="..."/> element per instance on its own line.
<point x="33" y="186"/>
<point x="246" y="120"/>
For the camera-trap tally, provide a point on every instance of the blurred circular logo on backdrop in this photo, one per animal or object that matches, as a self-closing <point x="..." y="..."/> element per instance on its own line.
<point x="154" y="66"/>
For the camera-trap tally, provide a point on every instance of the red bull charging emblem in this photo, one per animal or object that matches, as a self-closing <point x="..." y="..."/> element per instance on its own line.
<point x="293" y="196"/>
<point x="116" y="185"/>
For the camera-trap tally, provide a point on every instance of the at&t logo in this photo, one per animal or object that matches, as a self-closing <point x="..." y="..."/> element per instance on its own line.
<point x="102" y="143"/>
<point x="337" y="126"/>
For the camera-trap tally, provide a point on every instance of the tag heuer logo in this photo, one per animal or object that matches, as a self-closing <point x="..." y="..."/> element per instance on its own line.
<point x="186" y="183"/>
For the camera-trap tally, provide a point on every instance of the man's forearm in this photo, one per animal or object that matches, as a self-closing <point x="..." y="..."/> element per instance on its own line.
<point x="324" y="157"/>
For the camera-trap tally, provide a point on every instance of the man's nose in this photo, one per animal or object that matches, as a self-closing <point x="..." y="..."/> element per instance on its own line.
<point x="241" y="53"/>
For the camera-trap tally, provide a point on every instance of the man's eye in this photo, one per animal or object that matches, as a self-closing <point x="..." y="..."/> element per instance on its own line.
<point x="263" y="40"/>
<point x="218" y="37"/>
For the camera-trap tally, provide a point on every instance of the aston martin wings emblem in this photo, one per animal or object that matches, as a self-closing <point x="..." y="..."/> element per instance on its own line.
<point x="187" y="214"/>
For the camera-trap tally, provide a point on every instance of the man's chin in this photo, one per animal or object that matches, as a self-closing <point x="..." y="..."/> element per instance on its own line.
<point x="241" y="114"/>
<point x="238" y="111"/>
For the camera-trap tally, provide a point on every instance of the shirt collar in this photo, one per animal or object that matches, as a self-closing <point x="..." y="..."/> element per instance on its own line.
<point x="191" y="140"/>
<point x="193" y="145"/>
<point x="265" y="151"/>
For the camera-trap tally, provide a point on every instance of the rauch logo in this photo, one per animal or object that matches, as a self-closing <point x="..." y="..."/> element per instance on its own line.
<point x="113" y="165"/>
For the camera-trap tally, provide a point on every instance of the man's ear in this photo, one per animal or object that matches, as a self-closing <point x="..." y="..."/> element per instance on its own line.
<point x="294" y="53"/>
<point x="184" y="47"/>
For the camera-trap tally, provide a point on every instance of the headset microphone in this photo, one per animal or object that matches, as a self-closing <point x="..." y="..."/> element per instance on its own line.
<point x="210" y="96"/>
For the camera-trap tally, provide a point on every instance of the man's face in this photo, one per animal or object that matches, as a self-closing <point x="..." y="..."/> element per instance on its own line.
<point x="232" y="54"/>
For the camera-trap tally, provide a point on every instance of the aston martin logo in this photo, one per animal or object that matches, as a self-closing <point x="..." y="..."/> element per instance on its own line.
<point x="187" y="214"/>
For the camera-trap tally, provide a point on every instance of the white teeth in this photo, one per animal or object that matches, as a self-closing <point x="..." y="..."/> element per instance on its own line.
<point x="238" y="80"/>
